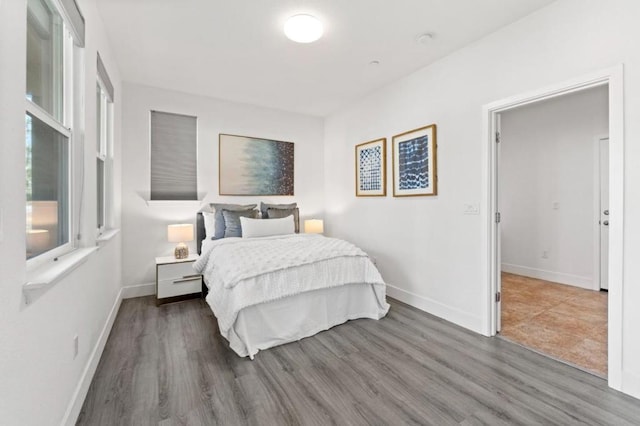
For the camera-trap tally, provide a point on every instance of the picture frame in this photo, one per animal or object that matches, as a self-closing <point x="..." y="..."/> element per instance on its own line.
<point x="415" y="167"/>
<point x="371" y="168"/>
<point x="255" y="166"/>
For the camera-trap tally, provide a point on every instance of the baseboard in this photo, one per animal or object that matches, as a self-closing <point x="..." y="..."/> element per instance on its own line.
<point x="631" y="384"/>
<point x="73" y="410"/>
<point x="438" y="309"/>
<point x="131" y="291"/>
<point x="556" y="277"/>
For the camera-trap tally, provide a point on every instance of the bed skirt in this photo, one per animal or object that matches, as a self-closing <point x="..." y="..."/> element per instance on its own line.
<point x="290" y="319"/>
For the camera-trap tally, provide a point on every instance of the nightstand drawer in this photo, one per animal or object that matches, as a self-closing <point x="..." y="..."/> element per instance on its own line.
<point x="179" y="286"/>
<point x="173" y="271"/>
<point x="176" y="279"/>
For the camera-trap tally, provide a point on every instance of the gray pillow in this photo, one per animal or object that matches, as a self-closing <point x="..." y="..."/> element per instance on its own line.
<point x="279" y="213"/>
<point x="220" y="223"/>
<point x="266" y="206"/>
<point x="232" y="224"/>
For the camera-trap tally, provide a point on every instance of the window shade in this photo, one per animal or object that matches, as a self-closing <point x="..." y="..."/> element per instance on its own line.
<point x="74" y="19"/>
<point x="104" y="77"/>
<point x="173" y="156"/>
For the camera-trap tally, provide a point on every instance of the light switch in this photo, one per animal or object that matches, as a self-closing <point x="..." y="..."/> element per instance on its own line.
<point x="472" y="209"/>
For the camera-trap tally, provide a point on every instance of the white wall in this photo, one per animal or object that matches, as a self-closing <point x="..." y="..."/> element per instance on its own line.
<point x="38" y="375"/>
<point x="145" y="225"/>
<point x="548" y="161"/>
<point x="430" y="252"/>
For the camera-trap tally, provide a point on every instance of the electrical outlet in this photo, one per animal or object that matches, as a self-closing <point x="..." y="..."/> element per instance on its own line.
<point x="75" y="346"/>
<point x="545" y="254"/>
<point x="1" y="224"/>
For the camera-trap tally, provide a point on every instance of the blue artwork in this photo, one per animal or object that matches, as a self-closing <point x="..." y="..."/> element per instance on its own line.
<point x="414" y="163"/>
<point x="252" y="166"/>
<point x="370" y="169"/>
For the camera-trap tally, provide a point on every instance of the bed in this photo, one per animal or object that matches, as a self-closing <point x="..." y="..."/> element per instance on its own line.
<point x="275" y="289"/>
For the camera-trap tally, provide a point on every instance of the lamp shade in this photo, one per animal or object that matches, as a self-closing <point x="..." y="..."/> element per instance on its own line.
<point x="44" y="214"/>
<point x="38" y="240"/>
<point x="180" y="233"/>
<point x="313" y="226"/>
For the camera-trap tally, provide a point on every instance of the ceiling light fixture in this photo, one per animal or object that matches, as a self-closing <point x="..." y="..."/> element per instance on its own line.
<point x="303" y="28"/>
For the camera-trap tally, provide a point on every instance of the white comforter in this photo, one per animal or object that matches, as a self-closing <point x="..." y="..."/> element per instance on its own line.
<point x="245" y="272"/>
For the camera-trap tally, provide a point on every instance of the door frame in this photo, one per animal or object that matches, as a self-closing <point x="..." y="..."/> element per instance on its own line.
<point x="614" y="78"/>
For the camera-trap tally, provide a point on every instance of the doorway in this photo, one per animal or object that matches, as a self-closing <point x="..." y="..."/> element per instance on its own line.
<point x="548" y="183"/>
<point x="614" y="273"/>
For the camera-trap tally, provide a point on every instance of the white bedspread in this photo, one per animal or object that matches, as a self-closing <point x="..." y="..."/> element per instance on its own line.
<point x="245" y="272"/>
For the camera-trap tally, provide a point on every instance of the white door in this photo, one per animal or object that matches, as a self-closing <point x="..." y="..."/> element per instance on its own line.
<point x="497" y="236"/>
<point x="604" y="213"/>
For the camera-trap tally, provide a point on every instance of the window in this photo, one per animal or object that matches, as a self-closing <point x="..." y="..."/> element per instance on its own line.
<point x="174" y="156"/>
<point x="48" y="122"/>
<point x="104" y="126"/>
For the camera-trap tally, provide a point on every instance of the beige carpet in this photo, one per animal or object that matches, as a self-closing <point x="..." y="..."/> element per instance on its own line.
<point x="565" y="322"/>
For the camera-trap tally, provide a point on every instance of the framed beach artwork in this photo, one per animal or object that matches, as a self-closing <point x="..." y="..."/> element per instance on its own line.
<point x="371" y="168"/>
<point x="255" y="166"/>
<point x="414" y="163"/>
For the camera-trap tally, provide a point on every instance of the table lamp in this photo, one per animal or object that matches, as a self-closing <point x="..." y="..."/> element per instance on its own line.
<point x="313" y="226"/>
<point x="38" y="240"/>
<point x="180" y="233"/>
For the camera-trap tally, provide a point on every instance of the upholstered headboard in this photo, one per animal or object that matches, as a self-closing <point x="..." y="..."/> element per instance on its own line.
<point x="200" y="231"/>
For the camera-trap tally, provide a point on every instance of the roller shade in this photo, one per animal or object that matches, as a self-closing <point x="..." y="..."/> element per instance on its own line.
<point x="174" y="157"/>
<point x="104" y="76"/>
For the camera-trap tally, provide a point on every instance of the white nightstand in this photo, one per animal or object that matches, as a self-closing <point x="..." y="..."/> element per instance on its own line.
<point x="176" y="279"/>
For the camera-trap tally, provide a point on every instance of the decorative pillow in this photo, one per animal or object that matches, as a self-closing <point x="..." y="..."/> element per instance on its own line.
<point x="252" y="228"/>
<point x="265" y="206"/>
<point x="219" y="220"/>
<point x="232" y="225"/>
<point x="279" y="213"/>
<point x="209" y="224"/>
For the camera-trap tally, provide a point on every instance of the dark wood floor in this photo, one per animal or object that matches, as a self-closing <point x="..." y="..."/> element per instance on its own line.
<point x="169" y="365"/>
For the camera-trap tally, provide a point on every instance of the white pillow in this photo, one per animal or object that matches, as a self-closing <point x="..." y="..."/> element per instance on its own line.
<point x="252" y="228"/>
<point x="209" y="224"/>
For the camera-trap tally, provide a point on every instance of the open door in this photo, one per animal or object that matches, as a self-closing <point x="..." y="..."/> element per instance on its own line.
<point x="498" y="296"/>
<point x="604" y="213"/>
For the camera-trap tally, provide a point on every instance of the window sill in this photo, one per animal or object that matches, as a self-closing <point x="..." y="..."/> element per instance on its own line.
<point x="173" y="202"/>
<point x="107" y="236"/>
<point x="49" y="274"/>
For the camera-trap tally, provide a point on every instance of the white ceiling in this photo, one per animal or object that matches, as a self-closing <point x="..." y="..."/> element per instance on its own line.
<point x="236" y="50"/>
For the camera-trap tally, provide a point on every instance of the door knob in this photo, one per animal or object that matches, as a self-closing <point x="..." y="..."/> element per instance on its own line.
<point x="606" y="212"/>
<point x="605" y="223"/>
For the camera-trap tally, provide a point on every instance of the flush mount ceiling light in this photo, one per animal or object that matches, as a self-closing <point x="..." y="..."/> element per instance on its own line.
<point x="303" y="28"/>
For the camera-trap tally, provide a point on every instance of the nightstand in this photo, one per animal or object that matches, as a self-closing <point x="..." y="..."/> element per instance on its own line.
<point x="176" y="279"/>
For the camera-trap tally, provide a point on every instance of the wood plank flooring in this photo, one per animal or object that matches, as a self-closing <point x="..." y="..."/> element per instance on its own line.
<point x="565" y="322"/>
<point x="168" y="365"/>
